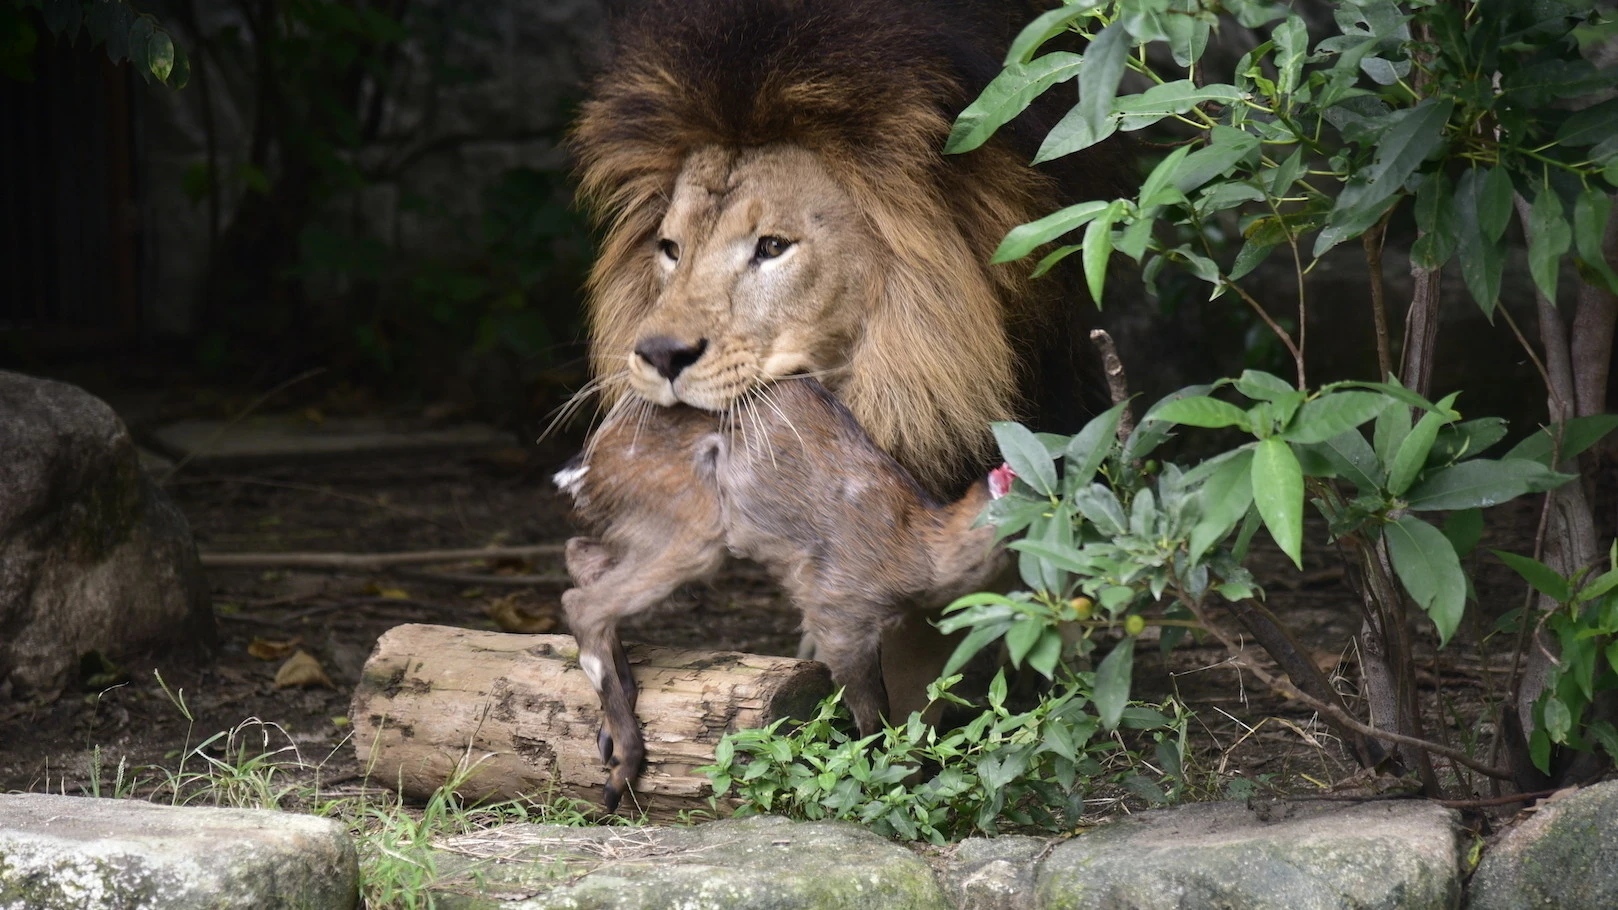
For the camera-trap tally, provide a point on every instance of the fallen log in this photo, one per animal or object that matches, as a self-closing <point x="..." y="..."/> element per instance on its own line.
<point x="517" y="714"/>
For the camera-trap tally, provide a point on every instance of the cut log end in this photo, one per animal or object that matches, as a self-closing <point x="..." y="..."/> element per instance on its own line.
<point x="516" y="717"/>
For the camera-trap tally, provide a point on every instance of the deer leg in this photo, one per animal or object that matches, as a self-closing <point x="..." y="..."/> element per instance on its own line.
<point x="623" y="589"/>
<point x="848" y="640"/>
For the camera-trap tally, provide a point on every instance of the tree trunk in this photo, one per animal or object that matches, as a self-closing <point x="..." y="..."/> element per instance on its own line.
<point x="517" y="714"/>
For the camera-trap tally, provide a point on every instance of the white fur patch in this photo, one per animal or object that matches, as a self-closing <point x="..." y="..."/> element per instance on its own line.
<point x="593" y="669"/>
<point x="567" y="480"/>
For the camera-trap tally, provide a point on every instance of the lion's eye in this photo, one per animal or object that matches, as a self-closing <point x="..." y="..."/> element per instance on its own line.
<point x="771" y="247"/>
<point x="669" y="248"/>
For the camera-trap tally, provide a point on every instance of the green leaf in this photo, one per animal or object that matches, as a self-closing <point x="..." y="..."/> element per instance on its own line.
<point x="1590" y="213"/>
<point x="1091" y="446"/>
<point x="1091" y="120"/>
<point x="975" y="641"/>
<point x="1187" y="34"/>
<point x="1062" y="557"/>
<point x="1008" y="95"/>
<point x="1539" y="751"/>
<point x="1466" y="439"/>
<point x="1548" y="238"/>
<point x="1023" y="238"/>
<point x="1435" y="219"/>
<point x="1429" y="569"/>
<point x="1098" y="249"/>
<point x="1464" y="528"/>
<point x="1495" y="203"/>
<point x="1414" y="448"/>
<point x="1591" y="125"/>
<point x="1278" y="491"/>
<point x="1481" y="261"/>
<point x="1142" y="110"/>
<point x="1158" y="188"/>
<point x="1392" y="426"/>
<point x="160" y="55"/>
<point x="1354" y="460"/>
<point x="1291" y="47"/>
<point x="1052" y="258"/>
<point x="1545" y="579"/>
<point x="1202" y="411"/>
<point x="1021" y="638"/>
<point x="1250" y="257"/>
<point x="1481" y="483"/>
<point x="1558" y="720"/>
<point x="1225" y="498"/>
<point x="1333" y="414"/>
<point x="1026" y="455"/>
<point x="1112" y="682"/>
<point x="1046" y="652"/>
<point x="1044" y="27"/>
<point x="1261" y="386"/>
<point x="1228" y="146"/>
<point x="1550" y="81"/>
<point x="1413" y="135"/>
<point x="1581" y="434"/>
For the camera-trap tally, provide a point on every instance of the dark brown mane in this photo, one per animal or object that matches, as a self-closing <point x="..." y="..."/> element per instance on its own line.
<point x="872" y="87"/>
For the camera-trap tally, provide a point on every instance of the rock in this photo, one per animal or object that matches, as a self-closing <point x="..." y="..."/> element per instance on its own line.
<point x="737" y="865"/>
<point x="93" y="557"/>
<point x="1564" y="856"/>
<point x="1398" y="855"/>
<point x="991" y="873"/>
<point x="77" y="853"/>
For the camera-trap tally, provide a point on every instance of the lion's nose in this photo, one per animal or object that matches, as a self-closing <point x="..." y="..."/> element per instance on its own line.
<point x="669" y="356"/>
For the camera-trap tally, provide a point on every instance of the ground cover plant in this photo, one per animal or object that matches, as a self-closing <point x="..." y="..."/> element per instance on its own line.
<point x="1463" y="116"/>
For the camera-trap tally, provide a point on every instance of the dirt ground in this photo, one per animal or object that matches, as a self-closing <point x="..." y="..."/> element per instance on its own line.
<point x="470" y="499"/>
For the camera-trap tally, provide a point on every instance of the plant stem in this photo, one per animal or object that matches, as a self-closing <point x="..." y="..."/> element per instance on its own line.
<point x="1379" y="301"/>
<point x="1281" y="333"/>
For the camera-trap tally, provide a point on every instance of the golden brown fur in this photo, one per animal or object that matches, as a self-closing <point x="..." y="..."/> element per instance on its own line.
<point x="728" y="109"/>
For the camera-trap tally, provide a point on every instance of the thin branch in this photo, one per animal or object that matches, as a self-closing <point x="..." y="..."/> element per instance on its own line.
<point x="1283" y="334"/>
<point x="1117" y="382"/>
<point x="1528" y="349"/>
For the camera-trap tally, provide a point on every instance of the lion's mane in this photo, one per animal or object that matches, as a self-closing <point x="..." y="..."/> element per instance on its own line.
<point x="872" y="87"/>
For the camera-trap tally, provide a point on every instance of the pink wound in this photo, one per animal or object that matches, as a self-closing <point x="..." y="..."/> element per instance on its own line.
<point x="1000" y="481"/>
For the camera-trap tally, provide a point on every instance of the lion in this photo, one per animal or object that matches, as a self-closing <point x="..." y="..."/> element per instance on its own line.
<point x="774" y="200"/>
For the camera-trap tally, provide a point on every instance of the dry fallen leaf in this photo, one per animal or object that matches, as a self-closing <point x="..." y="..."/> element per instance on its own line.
<point x="266" y="649"/>
<point x="301" y="669"/>
<point x="390" y="593"/>
<point x="512" y="615"/>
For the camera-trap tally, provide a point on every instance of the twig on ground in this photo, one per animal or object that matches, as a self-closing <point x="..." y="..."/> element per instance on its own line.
<point x="252" y="406"/>
<point x="1338" y="714"/>
<point x="364" y="562"/>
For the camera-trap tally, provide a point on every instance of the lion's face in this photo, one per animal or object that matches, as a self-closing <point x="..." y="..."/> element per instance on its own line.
<point x="760" y="263"/>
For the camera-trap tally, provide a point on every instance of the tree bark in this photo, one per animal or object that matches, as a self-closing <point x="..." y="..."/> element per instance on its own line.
<point x="518" y="717"/>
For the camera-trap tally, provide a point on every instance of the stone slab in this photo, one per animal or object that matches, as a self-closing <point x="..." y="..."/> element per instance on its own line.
<point x="78" y="853"/>
<point x="758" y="863"/>
<point x="1397" y="855"/>
<point x="292" y="436"/>
<point x="1565" y="856"/>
